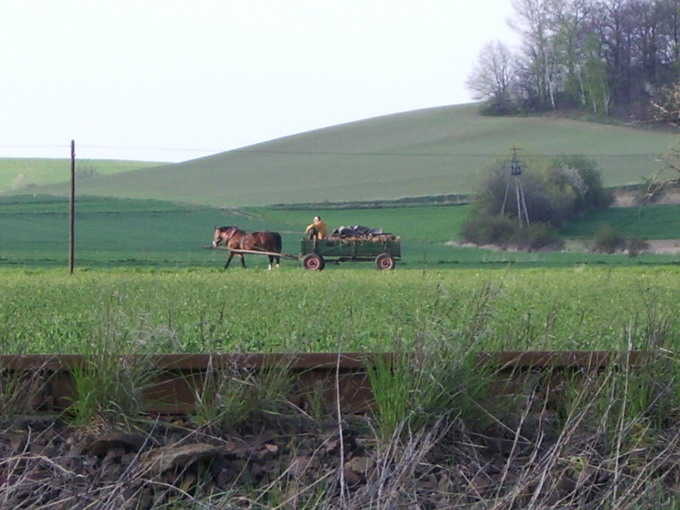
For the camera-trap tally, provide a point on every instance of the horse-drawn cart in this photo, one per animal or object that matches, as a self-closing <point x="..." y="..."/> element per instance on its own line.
<point x="384" y="250"/>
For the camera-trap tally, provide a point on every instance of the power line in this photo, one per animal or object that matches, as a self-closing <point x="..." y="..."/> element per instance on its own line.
<point x="442" y="155"/>
<point x="328" y="153"/>
<point x="115" y="147"/>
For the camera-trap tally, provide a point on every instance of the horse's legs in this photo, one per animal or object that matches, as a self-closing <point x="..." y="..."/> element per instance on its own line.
<point x="231" y="256"/>
<point x="243" y="260"/>
<point x="274" y="260"/>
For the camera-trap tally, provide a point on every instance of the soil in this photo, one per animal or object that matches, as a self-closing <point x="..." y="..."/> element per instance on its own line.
<point x="664" y="246"/>
<point x="658" y="246"/>
<point x="507" y="462"/>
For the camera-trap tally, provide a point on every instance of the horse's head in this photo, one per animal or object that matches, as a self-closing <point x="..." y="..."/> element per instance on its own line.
<point x="222" y="234"/>
<point x="217" y="237"/>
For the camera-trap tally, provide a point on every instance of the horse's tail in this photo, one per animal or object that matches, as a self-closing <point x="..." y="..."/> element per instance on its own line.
<point x="277" y="242"/>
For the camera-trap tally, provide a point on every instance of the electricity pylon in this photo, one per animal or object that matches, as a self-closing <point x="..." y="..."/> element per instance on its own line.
<point x="516" y="176"/>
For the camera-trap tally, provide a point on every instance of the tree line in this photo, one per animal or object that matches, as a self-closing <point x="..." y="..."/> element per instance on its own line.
<point x="608" y="57"/>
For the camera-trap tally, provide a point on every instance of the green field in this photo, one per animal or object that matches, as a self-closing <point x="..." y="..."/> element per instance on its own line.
<point x="22" y="175"/>
<point x="142" y="273"/>
<point x="203" y="310"/>
<point x="148" y="233"/>
<point x="426" y="152"/>
<point x="649" y="222"/>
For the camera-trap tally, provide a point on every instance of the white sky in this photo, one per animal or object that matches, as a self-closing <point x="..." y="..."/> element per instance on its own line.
<point x="172" y="80"/>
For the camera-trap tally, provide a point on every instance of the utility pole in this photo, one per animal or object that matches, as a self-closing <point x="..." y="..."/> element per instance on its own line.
<point x="72" y="212"/>
<point x="516" y="175"/>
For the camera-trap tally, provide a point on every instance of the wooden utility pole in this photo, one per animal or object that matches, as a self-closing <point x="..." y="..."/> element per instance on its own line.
<point x="72" y="211"/>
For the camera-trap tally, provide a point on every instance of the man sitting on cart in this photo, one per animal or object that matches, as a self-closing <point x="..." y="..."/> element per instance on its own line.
<point x="317" y="230"/>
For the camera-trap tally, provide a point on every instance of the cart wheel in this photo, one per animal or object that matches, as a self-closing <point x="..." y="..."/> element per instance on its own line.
<point x="313" y="262"/>
<point x="385" y="261"/>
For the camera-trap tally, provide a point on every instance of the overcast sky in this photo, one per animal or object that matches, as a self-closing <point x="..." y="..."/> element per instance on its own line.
<point x="172" y="80"/>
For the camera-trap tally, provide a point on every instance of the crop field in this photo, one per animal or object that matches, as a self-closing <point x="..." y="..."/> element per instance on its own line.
<point x="649" y="222"/>
<point x="26" y="173"/>
<point x="111" y="232"/>
<point x="199" y="310"/>
<point x="143" y="279"/>
<point x="148" y="233"/>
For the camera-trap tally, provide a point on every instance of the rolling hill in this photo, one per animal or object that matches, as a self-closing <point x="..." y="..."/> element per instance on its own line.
<point x="20" y="174"/>
<point x="425" y="152"/>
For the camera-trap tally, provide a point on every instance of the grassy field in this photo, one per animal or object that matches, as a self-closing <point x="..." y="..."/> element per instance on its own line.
<point x="425" y="152"/>
<point x="24" y="174"/>
<point x="204" y="310"/>
<point x="142" y="275"/>
<point x="149" y="233"/>
<point x="649" y="222"/>
<point x="110" y="232"/>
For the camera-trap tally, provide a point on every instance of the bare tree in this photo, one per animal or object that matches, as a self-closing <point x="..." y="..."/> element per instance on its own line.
<point x="492" y="78"/>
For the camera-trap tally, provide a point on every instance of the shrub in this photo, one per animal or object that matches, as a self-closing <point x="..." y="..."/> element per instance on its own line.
<point x="22" y="181"/>
<point x="489" y="229"/>
<point x="505" y="232"/>
<point x="635" y="246"/>
<point x="537" y="236"/>
<point x="554" y="192"/>
<point x="85" y="171"/>
<point x="586" y="181"/>
<point x="608" y="240"/>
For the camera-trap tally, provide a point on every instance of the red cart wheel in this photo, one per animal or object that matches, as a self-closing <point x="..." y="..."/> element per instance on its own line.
<point x="385" y="261"/>
<point x="313" y="262"/>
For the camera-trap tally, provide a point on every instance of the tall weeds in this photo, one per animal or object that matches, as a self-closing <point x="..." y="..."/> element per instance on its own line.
<point x="112" y="381"/>
<point x="231" y="395"/>
<point x="111" y="389"/>
<point x="441" y="376"/>
<point x="20" y="392"/>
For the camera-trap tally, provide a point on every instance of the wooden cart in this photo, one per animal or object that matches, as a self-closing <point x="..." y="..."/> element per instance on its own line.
<point x="383" y="250"/>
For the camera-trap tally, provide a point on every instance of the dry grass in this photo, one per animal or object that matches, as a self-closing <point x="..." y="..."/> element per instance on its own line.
<point x="592" y="440"/>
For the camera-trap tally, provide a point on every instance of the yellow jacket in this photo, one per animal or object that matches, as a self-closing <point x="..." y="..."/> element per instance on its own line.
<point x="320" y="228"/>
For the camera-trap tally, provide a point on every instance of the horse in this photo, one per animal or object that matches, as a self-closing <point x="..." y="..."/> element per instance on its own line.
<point x="231" y="236"/>
<point x="237" y="239"/>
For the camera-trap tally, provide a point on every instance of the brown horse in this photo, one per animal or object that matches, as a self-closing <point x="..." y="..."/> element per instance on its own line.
<point x="237" y="239"/>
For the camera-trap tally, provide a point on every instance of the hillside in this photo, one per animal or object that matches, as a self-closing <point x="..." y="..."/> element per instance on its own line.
<point x="425" y="152"/>
<point x="20" y="174"/>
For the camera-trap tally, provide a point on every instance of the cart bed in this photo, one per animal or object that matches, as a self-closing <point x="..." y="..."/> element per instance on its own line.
<point x="353" y="250"/>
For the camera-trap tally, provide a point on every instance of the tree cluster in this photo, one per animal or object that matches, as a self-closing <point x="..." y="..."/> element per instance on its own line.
<point x="605" y="56"/>
<point x="555" y="191"/>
